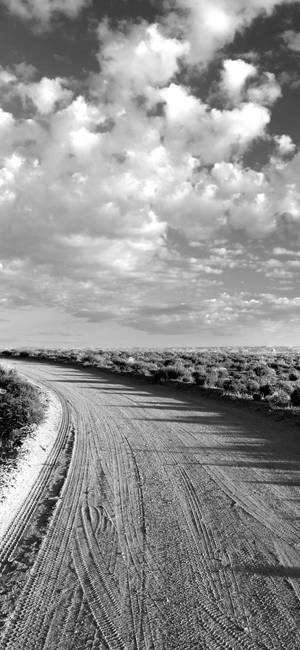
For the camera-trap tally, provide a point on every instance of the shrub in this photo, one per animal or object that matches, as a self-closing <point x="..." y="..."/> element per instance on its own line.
<point x="20" y="407"/>
<point x="166" y="373"/>
<point x="199" y="377"/>
<point x="252" y="386"/>
<point x="295" y="396"/>
<point x="222" y="371"/>
<point x="211" y="378"/>
<point x="187" y="378"/>
<point x="279" y="398"/>
<point x="231" y="386"/>
<point x="293" y="375"/>
<point x="257" y="397"/>
<point x="264" y="371"/>
<point x="286" y="386"/>
<point x="266" y="389"/>
<point x="175" y="372"/>
<point x="260" y="370"/>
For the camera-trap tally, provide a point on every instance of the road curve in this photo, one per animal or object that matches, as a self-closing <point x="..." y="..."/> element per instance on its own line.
<point x="177" y="527"/>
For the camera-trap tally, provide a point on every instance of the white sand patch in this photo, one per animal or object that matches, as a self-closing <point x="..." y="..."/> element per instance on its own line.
<point x="16" y="483"/>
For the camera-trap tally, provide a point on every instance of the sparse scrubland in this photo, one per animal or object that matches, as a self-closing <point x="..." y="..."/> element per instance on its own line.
<point x="260" y="374"/>
<point x="21" y="407"/>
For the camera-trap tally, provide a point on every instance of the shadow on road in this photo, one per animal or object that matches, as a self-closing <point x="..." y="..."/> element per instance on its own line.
<point x="245" y="438"/>
<point x="278" y="571"/>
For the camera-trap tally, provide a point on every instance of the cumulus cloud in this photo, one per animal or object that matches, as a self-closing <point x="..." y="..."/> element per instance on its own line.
<point x="91" y="185"/>
<point x="44" y="10"/>
<point x="285" y="145"/>
<point x="292" y="39"/>
<point x="208" y="26"/>
<point x="133" y="60"/>
<point x="6" y="77"/>
<point x="267" y="92"/>
<point x="191" y="126"/>
<point x="234" y="76"/>
<point x="46" y="93"/>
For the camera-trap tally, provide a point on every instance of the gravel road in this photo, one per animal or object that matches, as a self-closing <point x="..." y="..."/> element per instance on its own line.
<point x="177" y="526"/>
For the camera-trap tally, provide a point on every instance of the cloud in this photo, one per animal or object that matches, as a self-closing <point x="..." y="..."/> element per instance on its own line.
<point x="46" y="93"/>
<point x="208" y="26"/>
<point x="43" y="10"/>
<point x="292" y="39"/>
<point x="285" y="145"/>
<point x="94" y="316"/>
<point x="221" y="315"/>
<point x="284" y="251"/>
<point x="282" y="302"/>
<point x="192" y="126"/>
<point x="25" y="71"/>
<point x="267" y="92"/>
<point x="92" y="185"/>
<point x="132" y="60"/>
<point x="6" y="77"/>
<point x="234" y="76"/>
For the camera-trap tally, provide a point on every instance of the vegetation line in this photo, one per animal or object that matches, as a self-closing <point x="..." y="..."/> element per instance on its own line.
<point x="265" y="375"/>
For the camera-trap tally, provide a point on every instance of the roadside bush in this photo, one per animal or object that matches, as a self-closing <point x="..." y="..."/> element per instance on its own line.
<point x="279" y="398"/>
<point x="199" y="377"/>
<point x="293" y="375"/>
<point x="295" y="396"/>
<point x="231" y="386"/>
<point x="211" y="378"/>
<point x="266" y="389"/>
<point x="222" y="372"/>
<point x="286" y="386"/>
<point x="187" y="378"/>
<point x="260" y="370"/>
<point x="20" y="407"/>
<point x="167" y="373"/>
<point x="257" y="397"/>
<point x="252" y="386"/>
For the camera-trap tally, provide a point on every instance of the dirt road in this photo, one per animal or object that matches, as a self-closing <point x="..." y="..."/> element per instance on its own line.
<point x="177" y="526"/>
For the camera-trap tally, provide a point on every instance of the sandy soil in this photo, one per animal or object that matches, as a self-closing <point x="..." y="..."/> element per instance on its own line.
<point x="177" y="528"/>
<point x="17" y="480"/>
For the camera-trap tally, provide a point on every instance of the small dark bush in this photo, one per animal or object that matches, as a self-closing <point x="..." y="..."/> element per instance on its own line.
<point x="175" y="372"/>
<point x="265" y="389"/>
<point x="256" y="397"/>
<point x="231" y="386"/>
<point x="260" y="370"/>
<point x="293" y="375"/>
<point x="187" y="378"/>
<point x="199" y="377"/>
<point x="295" y="397"/>
<point x="167" y="373"/>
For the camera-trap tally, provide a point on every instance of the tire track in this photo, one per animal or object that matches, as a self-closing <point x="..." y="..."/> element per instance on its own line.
<point x="41" y="585"/>
<point x="235" y="585"/>
<point x="19" y="524"/>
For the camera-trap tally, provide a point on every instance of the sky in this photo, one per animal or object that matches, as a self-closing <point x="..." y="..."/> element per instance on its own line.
<point x="149" y="173"/>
